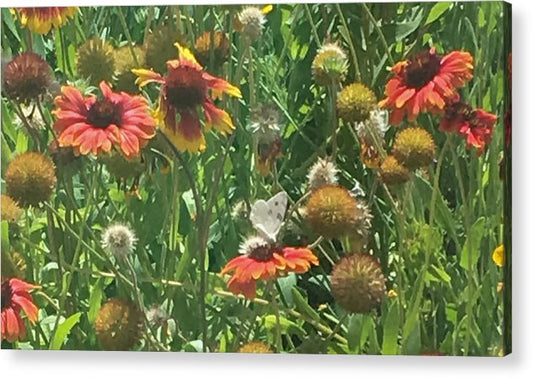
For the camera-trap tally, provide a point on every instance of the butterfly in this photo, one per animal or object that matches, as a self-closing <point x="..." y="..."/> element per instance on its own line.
<point x="267" y="216"/>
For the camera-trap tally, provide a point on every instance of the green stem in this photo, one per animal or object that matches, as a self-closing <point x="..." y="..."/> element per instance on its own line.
<point x="65" y="290"/>
<point x="380" y="33"/>
<point x="468" y="225"/>
<point x="436" y="182"/>
<point x="275" y="307"/>
<point x="312" y="23"/>
<point x="350" y="43"/>
<point x="128" y="36"/>
<point x="334" y="121"/>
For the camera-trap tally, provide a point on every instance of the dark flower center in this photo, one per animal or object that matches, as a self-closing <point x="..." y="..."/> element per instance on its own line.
<point x="263" y="252"/>
<point x="461" y="110"/>
<point x="421" y="69"/>
<point x="185" y="88"/>
<point x="6" y="294"/>
<point x="103" y="113"/>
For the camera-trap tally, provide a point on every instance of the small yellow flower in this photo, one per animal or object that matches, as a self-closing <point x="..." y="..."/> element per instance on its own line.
<point x="498" y="256"/>
<point x="392" y="293"/>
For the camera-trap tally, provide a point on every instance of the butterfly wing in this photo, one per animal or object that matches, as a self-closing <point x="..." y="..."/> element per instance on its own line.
<point x="267" y="217"/>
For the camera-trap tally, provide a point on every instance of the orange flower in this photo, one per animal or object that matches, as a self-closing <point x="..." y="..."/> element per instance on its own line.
<point x="41" y="20"/>
<point x="185" y="87"/>
<point x="262" y="261"/>
<point x="476" y="125"/>
<point x="16" y="297"/>
<point x="94" y="124"/>
<point x="424" y="83"/>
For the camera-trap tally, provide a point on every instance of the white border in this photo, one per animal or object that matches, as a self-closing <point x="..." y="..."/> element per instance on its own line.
<point x="143" y="364"/>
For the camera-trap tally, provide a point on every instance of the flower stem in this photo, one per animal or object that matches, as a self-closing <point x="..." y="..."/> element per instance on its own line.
<point x="350" y="43"/>
<point x="275" y="306"/>
<point x="380" y="33"/>
<point x="128" y="36"/>
<point x="334" y="120"/>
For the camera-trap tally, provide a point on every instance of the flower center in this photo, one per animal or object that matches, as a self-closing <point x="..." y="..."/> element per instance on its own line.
<point x="263" y="252"/>
<point x="459" y="110"/>
<point x="103" y="113"/>
<point x="185" y="88"/>
<point x="421" y="69"/>
<point x="6" y="294"/>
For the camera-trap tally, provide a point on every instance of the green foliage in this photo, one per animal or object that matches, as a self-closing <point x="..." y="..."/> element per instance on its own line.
<point x="433" y="236"/>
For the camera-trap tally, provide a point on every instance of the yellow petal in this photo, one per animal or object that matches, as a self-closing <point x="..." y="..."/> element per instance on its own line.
<point x="267" y="9"/>
<point x="145" y="76"/>
<point x="498" y="256"/>
<point x="185" y="53"/>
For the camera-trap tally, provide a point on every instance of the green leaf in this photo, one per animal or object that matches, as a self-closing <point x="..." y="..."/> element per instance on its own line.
<point x="63" y="330"/>
<point x="95" y="299"/>
<point x="286" y="285"/>
<point x="406" y="28"/>
<point x="301" y="304"/>
<point x="5" y="235"/>
<point x="287" y="326"/>
<point x="473" y="244"/>
<point x="194" y="346"/>
<point x="391" y="329"/>
<point x="438" y="10"/>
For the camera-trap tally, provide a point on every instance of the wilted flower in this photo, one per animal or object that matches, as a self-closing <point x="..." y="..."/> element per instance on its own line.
<point x="16" y="297"/>
<point x="157" y="316"/>
<point x="160" y="47"/>
<point x="392" y="172"/>
<point x="96" y="61"/>
<point x="26" y="78"/>
<point x="220" y="48"/>
<point x="330" y="64"/>
<point x="184" y="89"/>
<point x="30" y="178"/>
<point x="361" y="231"/>
<point x="11" y="211"/>
<point x="92" y="124"/>
<point x="371" y="135"/>
<point x="355" y="102"/>
<point x="118" y="325"/>
<point x="41" y="20"/>
<point x="331" y="211"/>
<point x="414" y="148"/>
<point x="119" y="239"/>
<point x="425" y="82"/>
<point x="124" y="78"/>
<point x="265" y="126"/>
<point x="357" y="283"/>
<point x="13" y="264"/>
<point x="323" y="172"/>
<point x="476" y="125"/>
<point x="123" y="168"/>
<point x="255" y="347"/>
<point x="250" y="21"/>
<point x="261" y="260"/>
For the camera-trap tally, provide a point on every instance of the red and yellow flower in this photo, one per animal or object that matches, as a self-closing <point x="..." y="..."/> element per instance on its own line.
<point x="16" y="297"/>
<point x="476" y="125"/>
<point x="185" y="87"/>
<point x="264" y="261"/>
<point x="92" y="124"/>
<point x="41" y="20"/>
<point x="424" y="83"/>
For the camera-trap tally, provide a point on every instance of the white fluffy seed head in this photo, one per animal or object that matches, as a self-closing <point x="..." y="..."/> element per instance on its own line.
<point x="323" y="172"/>
<point x="265" y="123"/>
<point x="119" y="240"/>
<point x="252" y="20"/>
<point x="377" y="124"/>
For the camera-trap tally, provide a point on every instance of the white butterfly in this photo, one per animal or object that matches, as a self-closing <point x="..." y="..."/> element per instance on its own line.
<point x="267" y="216"/>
